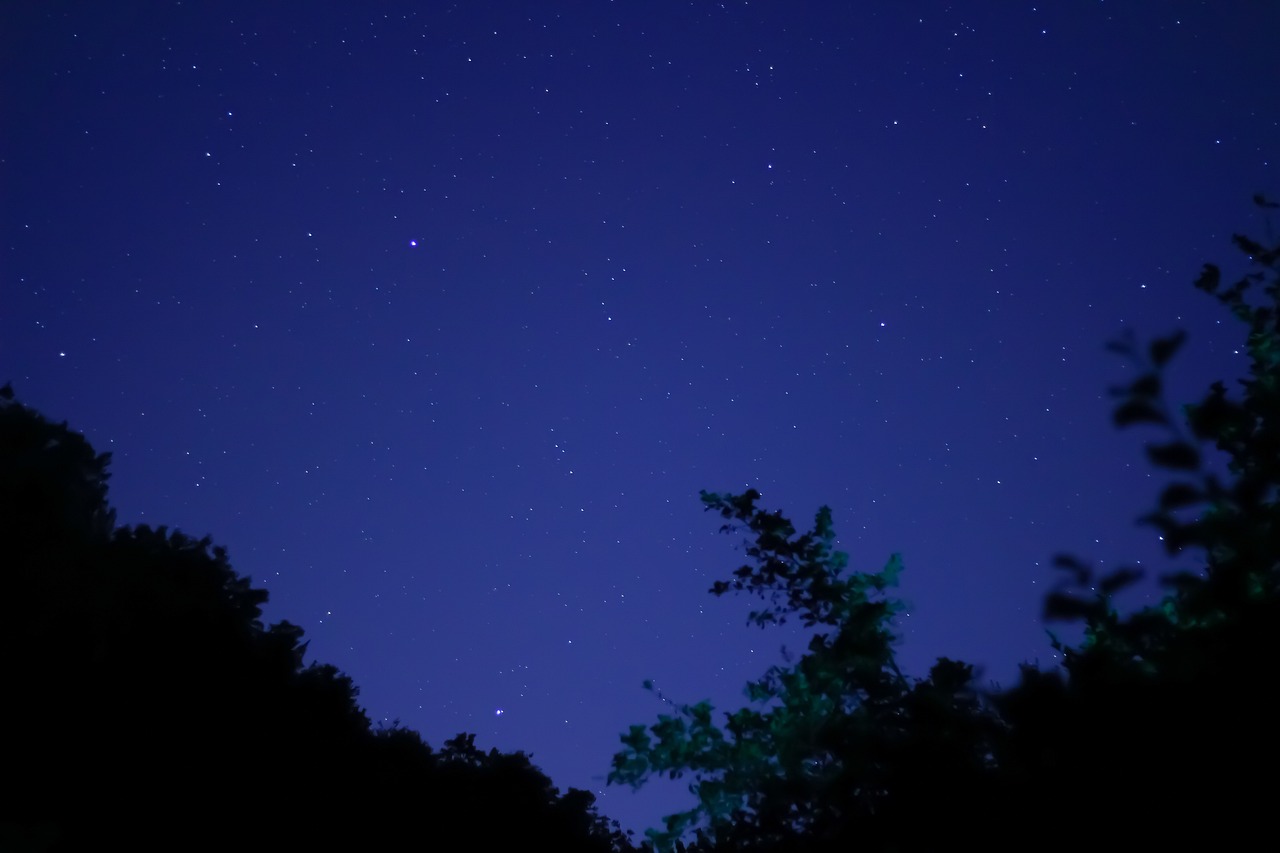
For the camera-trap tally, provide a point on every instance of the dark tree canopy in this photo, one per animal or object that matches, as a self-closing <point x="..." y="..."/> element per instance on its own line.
<point x="842" y="738"/>
<point x="1156" y="730"/>
<point x="149" y="708"/>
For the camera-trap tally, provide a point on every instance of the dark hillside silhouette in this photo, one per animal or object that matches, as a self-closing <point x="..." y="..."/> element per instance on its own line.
<point x="147" y="707"/>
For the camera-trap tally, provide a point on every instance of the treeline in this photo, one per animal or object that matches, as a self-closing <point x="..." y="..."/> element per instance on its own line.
<point x="1158" y="731"/>
<point x="147" y="706"/>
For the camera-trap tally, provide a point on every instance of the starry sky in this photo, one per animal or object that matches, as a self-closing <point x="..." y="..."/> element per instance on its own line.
<point x="438" y="316"/>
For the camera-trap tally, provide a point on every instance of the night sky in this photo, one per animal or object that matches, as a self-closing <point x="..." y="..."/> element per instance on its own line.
<point x="438" y="316"/>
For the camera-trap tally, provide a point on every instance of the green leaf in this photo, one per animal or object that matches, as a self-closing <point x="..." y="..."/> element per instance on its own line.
<point x="1118" y="580"/>
<point x="1162" y="349"/>
<point x="1178" y="455"/>
<point x="1180" y="495"/>
<point x="1062" y="606"/>
<point x="1209" y="278"/>
<point x="892" y="570"/>
<point x="1147" y="385"/>
<point x="1070" y="563"/>
<point x="1137" y="411"/>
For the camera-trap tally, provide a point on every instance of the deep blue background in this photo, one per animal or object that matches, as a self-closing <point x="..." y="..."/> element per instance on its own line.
<point x="439" y="316"/>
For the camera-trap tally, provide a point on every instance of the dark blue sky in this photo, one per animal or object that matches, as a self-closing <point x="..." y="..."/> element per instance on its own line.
<point x="439" y="316"/>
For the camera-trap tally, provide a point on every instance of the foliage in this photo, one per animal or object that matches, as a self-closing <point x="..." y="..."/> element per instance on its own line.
<point x="829" y="739"/>
<point x="1173" y="695"/>
<point x="149" y="707"/>
<point x="1156" y="728"/>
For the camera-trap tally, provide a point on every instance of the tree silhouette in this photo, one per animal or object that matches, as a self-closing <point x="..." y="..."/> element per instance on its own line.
<point x="840" y="739"/>
<point x="148" y="706"/>
<point x="1157" y="728"/>
<point x="1173" y="700"/>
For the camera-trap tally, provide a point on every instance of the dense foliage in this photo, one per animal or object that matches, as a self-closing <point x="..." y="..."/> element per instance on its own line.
<point x="147" y="707"/>
<point x="1156" y="729"/>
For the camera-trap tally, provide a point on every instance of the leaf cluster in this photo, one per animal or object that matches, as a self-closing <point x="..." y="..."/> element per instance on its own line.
<point x="1153" y="731"/>
<point x="828" y="739"/>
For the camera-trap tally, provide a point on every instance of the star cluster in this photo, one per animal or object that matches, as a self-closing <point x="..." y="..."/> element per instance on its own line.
<point x="439" y="317"/>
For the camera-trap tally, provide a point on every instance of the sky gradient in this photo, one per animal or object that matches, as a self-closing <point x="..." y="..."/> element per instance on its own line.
<point x="438" y="316"/>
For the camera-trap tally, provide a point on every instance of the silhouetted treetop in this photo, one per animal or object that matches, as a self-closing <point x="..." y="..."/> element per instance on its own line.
<point x="53" y="487"/>
<point x="149" y="707"/>
<point x="1156" y="730"/>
